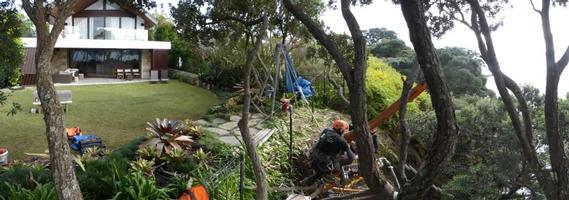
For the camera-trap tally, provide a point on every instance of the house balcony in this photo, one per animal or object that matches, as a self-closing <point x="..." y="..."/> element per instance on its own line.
<point x="75" y="33"/>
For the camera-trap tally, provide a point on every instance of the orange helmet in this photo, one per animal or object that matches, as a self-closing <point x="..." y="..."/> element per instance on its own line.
<point x="341" y="125"/>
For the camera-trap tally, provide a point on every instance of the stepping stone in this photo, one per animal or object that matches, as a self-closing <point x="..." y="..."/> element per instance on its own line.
<point x="257" y="116"/>
<point x="254" y="122"/>
<point x="229" y="125"/>
<point x="252" y="132"/>
<point x="218" y="121"/>
<point x="230" y="140"/>
<point x="235" y="118"/>
<point x="260" y="126"/>
<point x="218" y="131"/>
<point x="202" y="122"/>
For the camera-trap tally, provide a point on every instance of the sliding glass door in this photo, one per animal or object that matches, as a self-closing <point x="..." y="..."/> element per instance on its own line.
<point x="103" y="62"/>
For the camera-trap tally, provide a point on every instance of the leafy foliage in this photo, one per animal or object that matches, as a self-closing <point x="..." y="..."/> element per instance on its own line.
<point x="12" y="55"/>
<point x="40" y="192"/>
<point x="463" y="71"/>
<point x="383" y="87"/>
<point x="167" y="135"/>
<point x="485" y="147"/>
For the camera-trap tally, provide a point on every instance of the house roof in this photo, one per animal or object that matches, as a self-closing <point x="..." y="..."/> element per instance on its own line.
<point x="151" y="21"/>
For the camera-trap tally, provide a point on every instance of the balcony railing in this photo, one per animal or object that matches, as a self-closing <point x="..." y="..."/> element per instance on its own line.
<point x="73" y="32"/>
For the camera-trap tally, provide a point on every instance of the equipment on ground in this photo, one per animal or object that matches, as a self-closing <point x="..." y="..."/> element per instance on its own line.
<point x="83" y="142"/>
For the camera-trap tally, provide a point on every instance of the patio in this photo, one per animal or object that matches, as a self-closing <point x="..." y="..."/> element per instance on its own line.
<point x="102" y="81"/>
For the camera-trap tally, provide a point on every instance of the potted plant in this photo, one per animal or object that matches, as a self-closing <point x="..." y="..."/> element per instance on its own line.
<point x="3" y="156"/>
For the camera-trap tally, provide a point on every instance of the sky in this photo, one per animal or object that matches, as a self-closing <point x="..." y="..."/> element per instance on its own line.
<point x="519" y="43"/>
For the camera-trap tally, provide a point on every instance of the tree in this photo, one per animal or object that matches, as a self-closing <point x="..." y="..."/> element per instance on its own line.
<point x="354" y="74"/>
<point x="556" y="186"/>
<point x="375" y="35"/>
<point x="463" y="70"/>
<point x="559" y="160"/>
<point x="442" y="147"/>
<point x="49" y="18"/>
<point x="12" y="55"/>
<point x="62" y="168"/>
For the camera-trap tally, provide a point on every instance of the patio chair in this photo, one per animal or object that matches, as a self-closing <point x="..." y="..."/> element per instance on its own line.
<point x="164" y="75"/>
<point x="136" y="73"/>
<point x="120" y="74"/>
<point x="128" y="74"/>
<point x="154" y="76"/>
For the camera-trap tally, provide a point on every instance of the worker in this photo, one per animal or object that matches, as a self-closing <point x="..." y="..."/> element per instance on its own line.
<point x="331" y="153"/>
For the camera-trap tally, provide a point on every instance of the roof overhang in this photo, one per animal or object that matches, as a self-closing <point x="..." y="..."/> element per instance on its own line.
<point x="101" y="44"/>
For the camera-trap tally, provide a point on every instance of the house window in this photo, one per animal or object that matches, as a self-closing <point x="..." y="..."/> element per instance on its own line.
<point x="96" y="28"/>
<point x="127" y="23"/>
<point x="104" y="62"/>
<point x="112" y="29"/>
<point x="81" y="23"/>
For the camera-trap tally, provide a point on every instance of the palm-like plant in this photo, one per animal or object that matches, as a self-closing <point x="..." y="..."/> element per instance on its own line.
<point x="167" y="135"/>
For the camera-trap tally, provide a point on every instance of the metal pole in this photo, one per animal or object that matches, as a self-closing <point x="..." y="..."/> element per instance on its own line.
<point x="290" y="134"/>
<point x="276" y="57"/>
<point x="241" y="174"/>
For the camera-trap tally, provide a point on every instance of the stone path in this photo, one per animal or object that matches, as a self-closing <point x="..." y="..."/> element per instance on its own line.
<point x="228" y="131"/>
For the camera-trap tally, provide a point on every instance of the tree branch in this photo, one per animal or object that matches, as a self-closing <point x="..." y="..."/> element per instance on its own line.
<point x="357" y="37"/>
<point x="339" y="90"/>
<point x="533" y="6"/>
<point x="405" y="131"/>
<point x="563" y="61"/>
<point x="322" y="38"/>
<point x="237" y="19"/>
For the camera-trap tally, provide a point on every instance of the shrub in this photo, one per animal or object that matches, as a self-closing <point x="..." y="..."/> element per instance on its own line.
<point x="183" y="76"/>
<point x="168" y="135"/>
<point x="40" y="192"/>
<point x="137" y="186"/>
<point x="383" y="87"/>
<point x="20" y="175"/>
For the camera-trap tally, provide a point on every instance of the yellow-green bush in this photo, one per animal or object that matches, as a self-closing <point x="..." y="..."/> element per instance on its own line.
<point x="383" y="87"/>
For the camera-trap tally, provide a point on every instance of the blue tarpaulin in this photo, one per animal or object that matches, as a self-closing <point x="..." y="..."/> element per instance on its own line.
<point x="295" y="83"/>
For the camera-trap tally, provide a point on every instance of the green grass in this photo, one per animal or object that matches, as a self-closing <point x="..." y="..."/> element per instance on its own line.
<point x="116" y="113"/>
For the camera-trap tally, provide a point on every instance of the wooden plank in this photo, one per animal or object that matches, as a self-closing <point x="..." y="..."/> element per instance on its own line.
<point x="263" y="135"/>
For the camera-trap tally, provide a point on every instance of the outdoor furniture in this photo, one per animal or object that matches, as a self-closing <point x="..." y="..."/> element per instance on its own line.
<point x="154" y="76"/>
<point x="64" y="97"/>
<point x="164" y="75"/>
<point x="128" y="74"/>
<point x="120" y="74"/>
<point x="62" y="77"/>
<point x="81" y="76"/>
<point x="136" y="73"/>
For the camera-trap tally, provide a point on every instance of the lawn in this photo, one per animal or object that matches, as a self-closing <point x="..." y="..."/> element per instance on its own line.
<point x="116" y="113"/>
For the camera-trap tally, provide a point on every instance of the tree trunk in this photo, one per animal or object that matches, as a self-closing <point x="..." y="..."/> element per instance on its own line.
<point x="405" y="131"/>
<point x="262" y="186"/>
<point x="442" y="147"/>
<point x="481" y="29"/>
<point x="556" y="148"/>
<point x="62" y="166"/>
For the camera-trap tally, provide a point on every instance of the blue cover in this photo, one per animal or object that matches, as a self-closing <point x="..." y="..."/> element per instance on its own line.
<point x="76" y="141"/>
<point x="295" y="83"/>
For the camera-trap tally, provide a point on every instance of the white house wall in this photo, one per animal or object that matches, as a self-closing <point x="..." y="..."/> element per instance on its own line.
<point x="139" y="23"/>
<point x="101" y="44"/>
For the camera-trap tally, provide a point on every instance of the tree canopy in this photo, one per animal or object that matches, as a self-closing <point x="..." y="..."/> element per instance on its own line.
<point x="12" y="55"/>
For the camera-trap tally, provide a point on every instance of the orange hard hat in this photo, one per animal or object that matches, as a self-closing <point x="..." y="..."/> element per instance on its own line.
<point x="341" y="125"/>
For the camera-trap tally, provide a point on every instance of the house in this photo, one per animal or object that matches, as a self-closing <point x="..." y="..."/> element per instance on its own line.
<point x="99" y="38"/>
